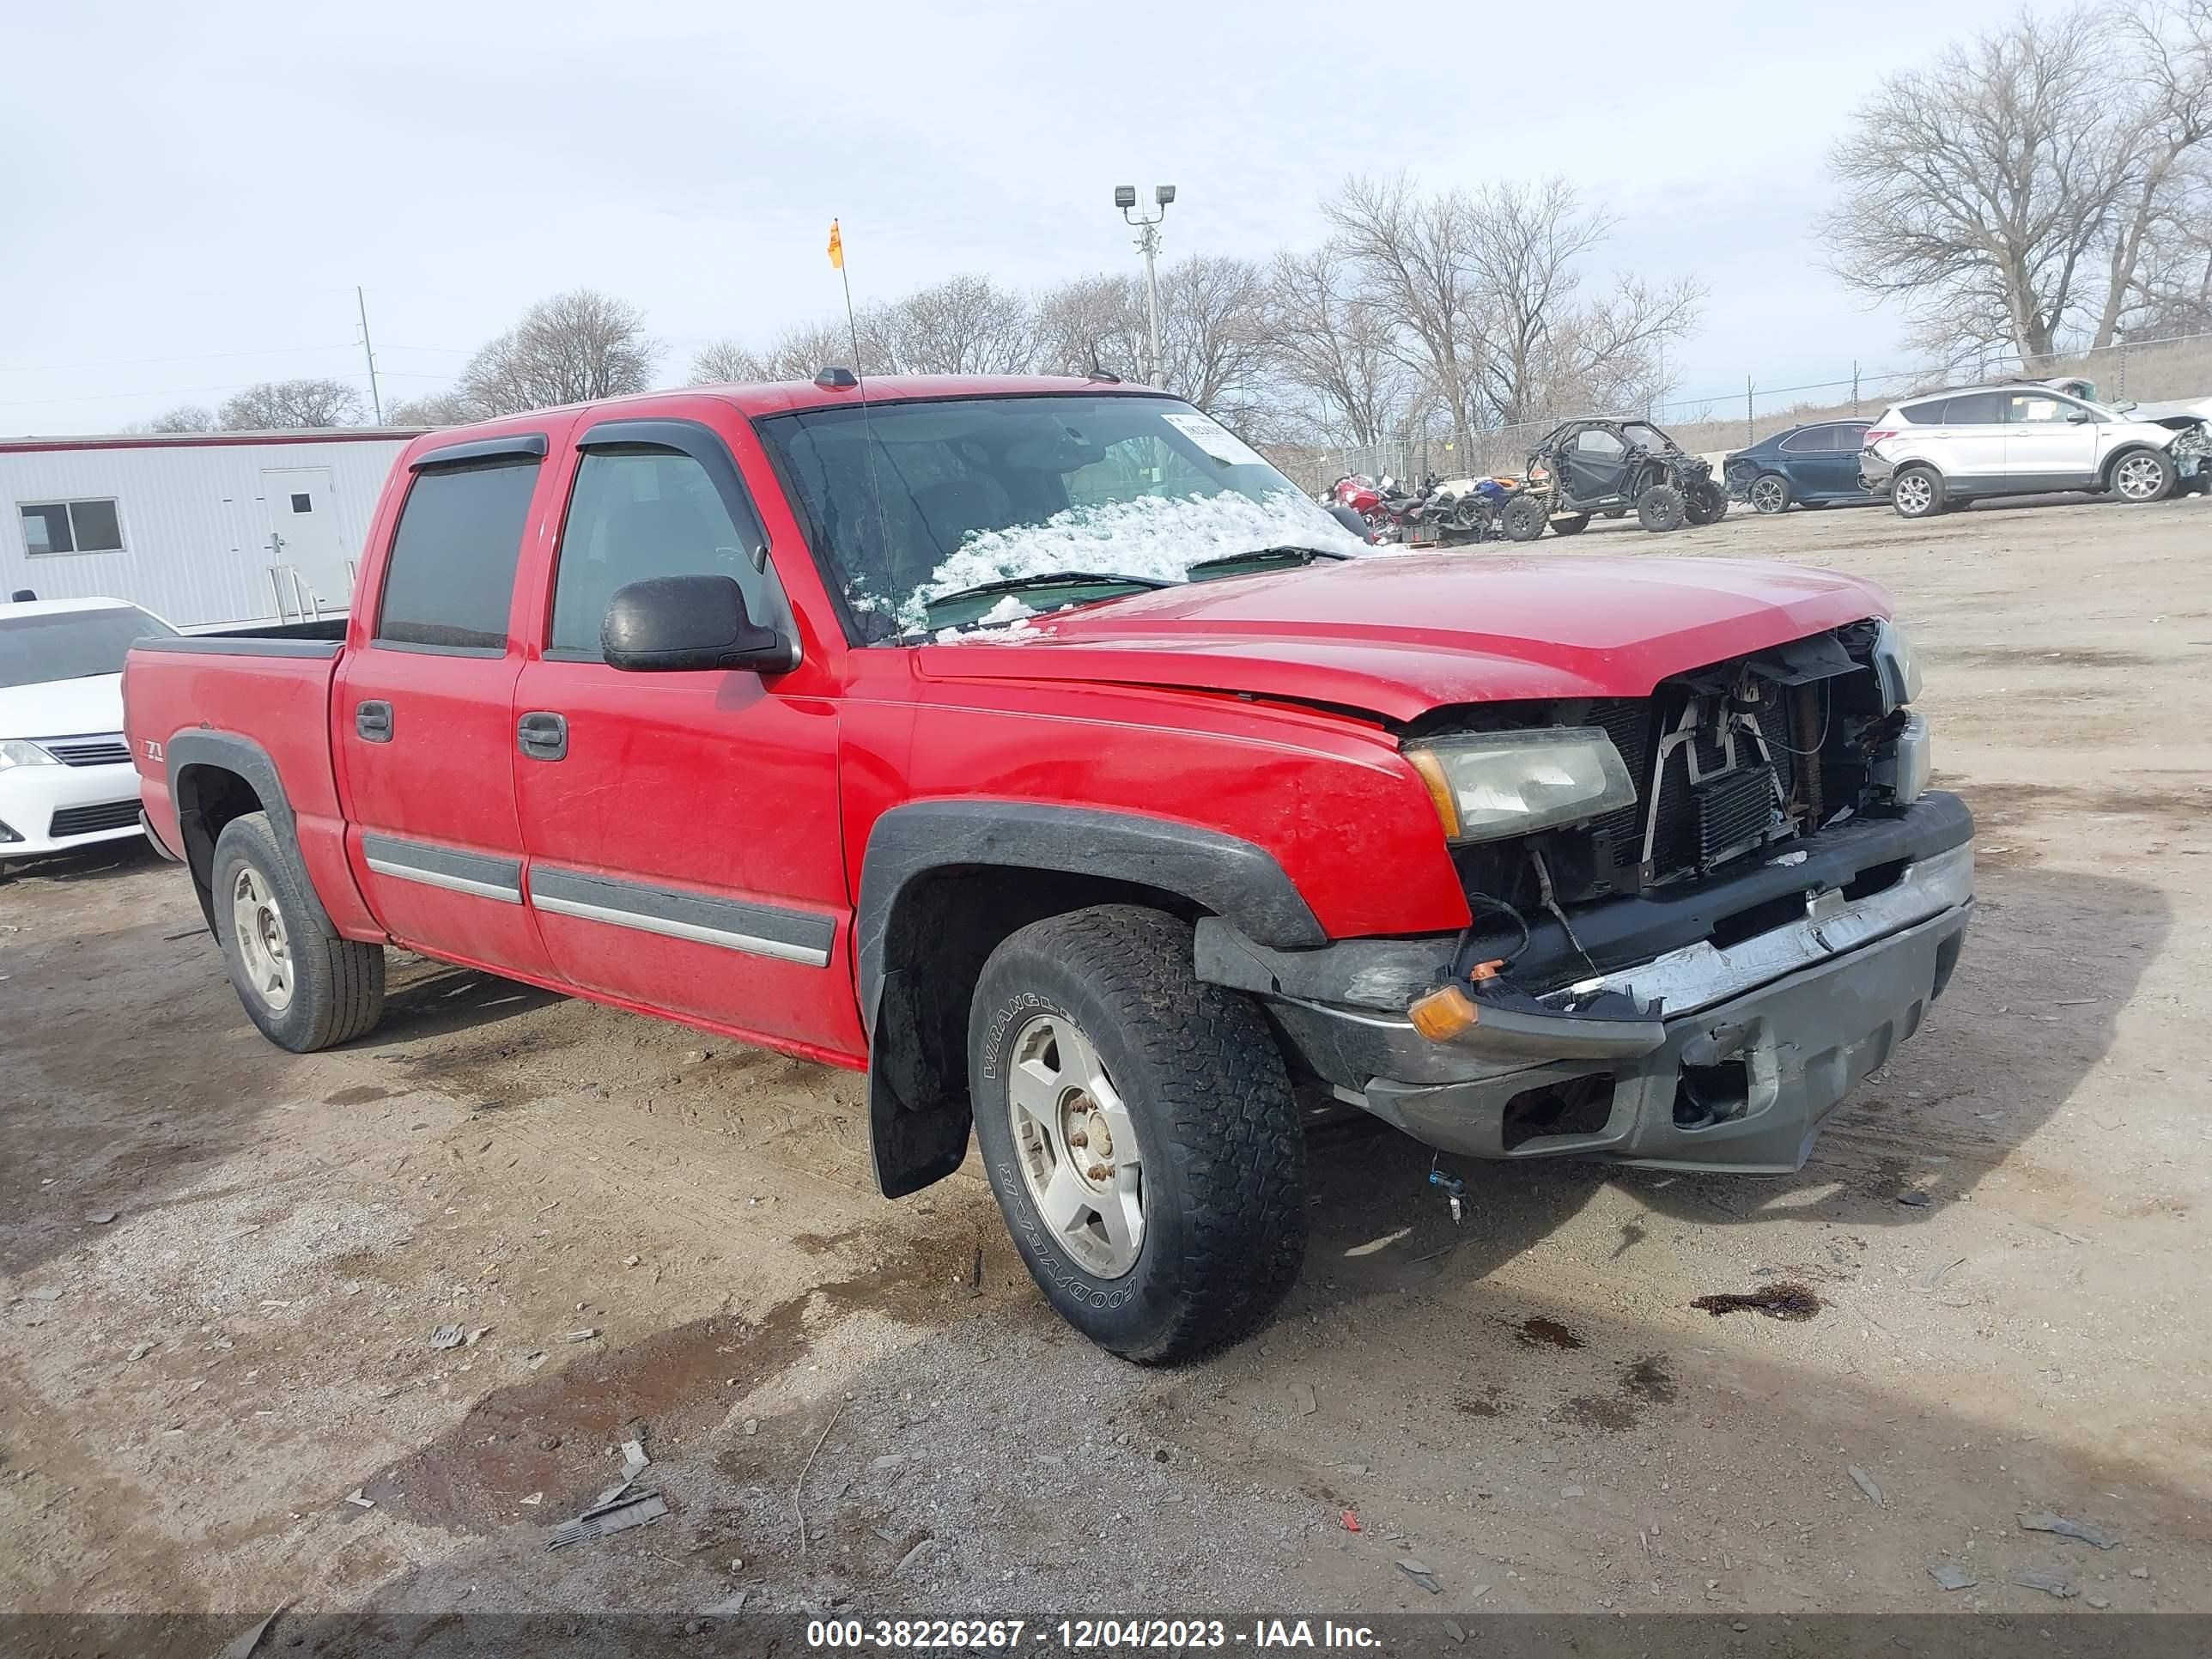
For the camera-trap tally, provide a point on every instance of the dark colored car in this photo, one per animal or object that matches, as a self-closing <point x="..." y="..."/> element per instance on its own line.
<point x="1586" y="467"/>
<point x="1816" y="465"/>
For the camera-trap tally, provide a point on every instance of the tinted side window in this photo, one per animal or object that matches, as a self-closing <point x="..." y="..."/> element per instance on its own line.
<point x="1927" y="414"/>
<point x="1596" y="440"/>
<point x="1975" y="409"/>
<point x="1811" y="439"/>
<point x="635" y="513"/>
<point x="451" y="574"/>
<point x="1853" y="437"/>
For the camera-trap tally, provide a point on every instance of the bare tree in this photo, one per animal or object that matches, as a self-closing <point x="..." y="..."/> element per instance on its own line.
<point x="573" y="347"/>
<point x="275" y="405"/>
<point x="2162" y="209"/>
<point x="1215" y="344"/>
<point x="966" y="324"/>
<point x="2173" y="284"/>
<point x="728" y="360"/>
<point x="1336" y="346"/>
<point x="1982" y="190"/>
<point x="439" y="409"/>
<point x="1415" y="260"/>
<point x="1093" y="322"/>
<point x="184" y="417"/>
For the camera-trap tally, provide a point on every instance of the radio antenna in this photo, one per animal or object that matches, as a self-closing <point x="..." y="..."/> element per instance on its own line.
<point x="861" y="381"/>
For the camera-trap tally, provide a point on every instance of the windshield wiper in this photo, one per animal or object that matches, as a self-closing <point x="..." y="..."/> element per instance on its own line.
<point x="1048" y="579"/>
<point x="1262" y="558"/>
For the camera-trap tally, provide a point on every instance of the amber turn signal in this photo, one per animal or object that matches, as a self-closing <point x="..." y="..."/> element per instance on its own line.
<point x="1442" y="1014"/>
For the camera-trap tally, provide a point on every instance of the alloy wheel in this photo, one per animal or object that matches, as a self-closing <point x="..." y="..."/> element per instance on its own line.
<point x="1077" y="1146"/>
<point x="264" y="946"/>
<point x="2138" y="477"/>
<point x="1767" y="495"/>
<point x="1913" y="494"/>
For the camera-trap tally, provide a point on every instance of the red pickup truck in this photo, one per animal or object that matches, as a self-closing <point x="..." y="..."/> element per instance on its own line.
<point x="1034" y="746"/>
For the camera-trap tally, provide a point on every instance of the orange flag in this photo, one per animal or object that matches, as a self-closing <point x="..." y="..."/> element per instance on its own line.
<point x="837" y="247"/>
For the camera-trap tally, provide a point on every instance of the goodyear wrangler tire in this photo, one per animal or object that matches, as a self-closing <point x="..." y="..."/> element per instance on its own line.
<point x="303" y="985"/>
<point x="1138" y="1129"/>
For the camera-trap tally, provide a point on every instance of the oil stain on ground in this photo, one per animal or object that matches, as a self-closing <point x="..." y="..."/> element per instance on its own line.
<point x="1644" y="1382"/>
<point x="1786" y="1300"/>
<point x="1541" y="1333"/>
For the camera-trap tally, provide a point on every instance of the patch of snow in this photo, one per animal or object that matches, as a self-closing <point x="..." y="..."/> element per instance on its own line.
<point x="1152" y="536"/>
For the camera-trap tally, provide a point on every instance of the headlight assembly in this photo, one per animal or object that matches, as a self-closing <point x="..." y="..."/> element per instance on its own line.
<point x="1489" y="785"/>
<point x="1896" y="665"/>
<point x="15" y="752"/>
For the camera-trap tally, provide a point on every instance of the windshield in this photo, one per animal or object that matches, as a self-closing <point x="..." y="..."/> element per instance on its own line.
<point x="907" y="503"/>
<point x="70" y="645"/>
<point x="1648" y="438"/>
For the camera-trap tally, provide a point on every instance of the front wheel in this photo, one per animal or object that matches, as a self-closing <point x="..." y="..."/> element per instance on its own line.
<point x="2144" y="476"/>
<point x="1661" y="509"/>
<point x="303" y="985"/>
<point x="1139" y="1132"/>
<point x="1570" y="524"/>
<point x="1705" y="502"/>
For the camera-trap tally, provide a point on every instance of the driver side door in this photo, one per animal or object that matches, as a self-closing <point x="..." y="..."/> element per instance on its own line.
<point x="1595" y="461"/>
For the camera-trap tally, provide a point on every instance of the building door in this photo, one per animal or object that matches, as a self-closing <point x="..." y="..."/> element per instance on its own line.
<point x="304" y="537"/>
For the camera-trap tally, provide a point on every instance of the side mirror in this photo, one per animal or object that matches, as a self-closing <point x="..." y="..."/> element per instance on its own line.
<point x="672" y="623"/>
<point x="2079" y="417"/>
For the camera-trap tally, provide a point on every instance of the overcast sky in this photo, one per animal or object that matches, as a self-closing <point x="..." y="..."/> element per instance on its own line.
<point x="193" y="190"/>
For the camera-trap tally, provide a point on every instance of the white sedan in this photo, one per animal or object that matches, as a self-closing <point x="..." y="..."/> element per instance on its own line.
<point x="66" y="779"/>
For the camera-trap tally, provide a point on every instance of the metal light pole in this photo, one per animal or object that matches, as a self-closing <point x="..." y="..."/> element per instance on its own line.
<point x="1148" y="240"/>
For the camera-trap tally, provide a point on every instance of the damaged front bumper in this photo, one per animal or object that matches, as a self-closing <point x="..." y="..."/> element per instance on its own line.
<point x="1732" y="1056"/>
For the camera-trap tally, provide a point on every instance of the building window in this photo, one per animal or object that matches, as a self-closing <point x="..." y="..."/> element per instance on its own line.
<point x="303" y="504"/>
<point x="71" y="527"/>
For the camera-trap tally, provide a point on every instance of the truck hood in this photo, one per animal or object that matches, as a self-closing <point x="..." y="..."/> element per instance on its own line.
<point x="62" y="708"/>
<point x="1399" y="635"/>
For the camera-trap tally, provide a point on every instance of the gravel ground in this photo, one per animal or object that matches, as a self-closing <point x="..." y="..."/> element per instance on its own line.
<point x="658" y="1234"/>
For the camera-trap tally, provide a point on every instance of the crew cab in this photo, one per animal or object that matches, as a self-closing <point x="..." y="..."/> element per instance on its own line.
<point x="1035" y="747"/>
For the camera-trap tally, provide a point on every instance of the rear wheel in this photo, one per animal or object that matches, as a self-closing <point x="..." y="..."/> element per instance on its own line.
<point x="1138" y="1129"/>
<point x="1661" y="509"/>
<point x="2143" y="475"/>
<point x="1917" y="492"/>
<point x="1770" y="493"/>
<point x="1522" y="518"/>
<point x="1571" y="524"/>
<point x="303" y="985"/>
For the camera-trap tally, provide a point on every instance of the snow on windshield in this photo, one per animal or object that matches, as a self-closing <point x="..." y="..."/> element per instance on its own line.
<point x="1151" y="536"/>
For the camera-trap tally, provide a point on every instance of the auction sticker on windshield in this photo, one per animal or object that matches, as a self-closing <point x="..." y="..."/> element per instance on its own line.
<point x="1214" y="439"/>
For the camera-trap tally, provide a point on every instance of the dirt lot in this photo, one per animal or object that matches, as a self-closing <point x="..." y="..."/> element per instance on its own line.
<point x="223" y="1264"/>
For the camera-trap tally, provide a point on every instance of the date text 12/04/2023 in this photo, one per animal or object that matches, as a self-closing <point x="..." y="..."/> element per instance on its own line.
<point x="1085" y="1635"/>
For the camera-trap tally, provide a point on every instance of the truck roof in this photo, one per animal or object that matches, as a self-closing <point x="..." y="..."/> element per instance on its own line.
<point x="784" y="397"/>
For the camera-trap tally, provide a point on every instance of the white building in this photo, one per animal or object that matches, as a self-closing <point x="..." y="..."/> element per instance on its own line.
<point x="202" y="529"/>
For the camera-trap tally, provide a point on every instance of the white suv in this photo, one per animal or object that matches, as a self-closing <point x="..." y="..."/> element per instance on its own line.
<point x="1951" y="447"/>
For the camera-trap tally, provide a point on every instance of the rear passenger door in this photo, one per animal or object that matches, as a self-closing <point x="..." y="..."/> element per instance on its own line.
<point x="1971" y="451"/>
<point x="685" y="847"/>
<point x="423" y="721"/>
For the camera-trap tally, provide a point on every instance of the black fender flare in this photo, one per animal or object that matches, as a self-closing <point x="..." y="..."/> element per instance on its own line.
<point x="2140" y="446"/>
<point x="1232" y="877"/>
<point x="918" y="1123"/>
<point x="228" y="751"/>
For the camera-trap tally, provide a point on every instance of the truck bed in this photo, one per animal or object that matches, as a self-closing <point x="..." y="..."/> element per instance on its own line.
<point x="268" y="688"/>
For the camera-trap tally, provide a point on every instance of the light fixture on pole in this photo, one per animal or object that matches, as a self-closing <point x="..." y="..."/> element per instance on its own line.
<point x="1148" y="240"/>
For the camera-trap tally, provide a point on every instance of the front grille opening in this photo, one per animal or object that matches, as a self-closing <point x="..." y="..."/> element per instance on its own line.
<point x="1706" y="1094"/>
<point x="1579" y="1106"/>
<point x="90" y="820"/>
<point x="1759" y="919"/>
<point x="1875" y="879"/>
